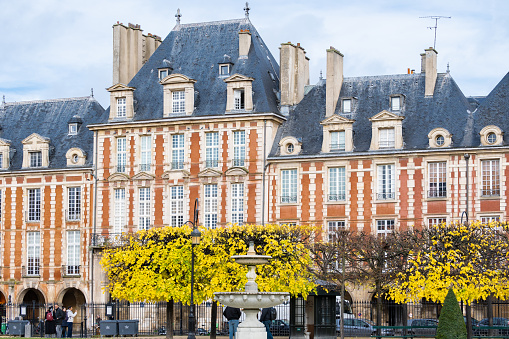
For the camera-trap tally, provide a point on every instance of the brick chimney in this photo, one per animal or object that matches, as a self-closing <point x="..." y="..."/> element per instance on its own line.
<point x="294" y="69"/>
<point x="334" y="80"/>
<point x="429" y="68"/>
<point x="244" y="43"/>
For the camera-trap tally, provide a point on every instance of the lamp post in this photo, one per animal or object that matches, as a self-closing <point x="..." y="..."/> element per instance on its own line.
<point x="195" y="240"/>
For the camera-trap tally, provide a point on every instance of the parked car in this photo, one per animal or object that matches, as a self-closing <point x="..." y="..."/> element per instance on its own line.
<point x="279" y="327"/>
<point x="360" y="328"/>
<point x="497" y="322"/>
<point x="423" y="327"/>
<point x="201" y="331"/>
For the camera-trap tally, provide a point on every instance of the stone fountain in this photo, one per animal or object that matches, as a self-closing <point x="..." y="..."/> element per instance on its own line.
<point x="251" y="300"/>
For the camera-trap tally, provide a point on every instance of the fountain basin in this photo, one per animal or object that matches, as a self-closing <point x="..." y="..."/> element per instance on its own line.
<point x="251" y="299"/>
<point x="251" y="259"/>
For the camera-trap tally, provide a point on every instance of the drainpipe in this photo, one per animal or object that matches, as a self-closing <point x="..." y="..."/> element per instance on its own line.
<point x="94" y="223"/>
<point x="264" y="168"/>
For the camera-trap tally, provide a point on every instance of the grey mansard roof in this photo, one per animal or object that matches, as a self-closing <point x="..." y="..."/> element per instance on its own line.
<point x="196" y="50"/>
<point x="50" y="119"/>
<point x="448" y="108"/>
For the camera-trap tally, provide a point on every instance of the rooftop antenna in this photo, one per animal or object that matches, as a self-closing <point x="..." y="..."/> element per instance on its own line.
<point x="435" y="17"/>
<point x="178" y="16"/>
<point x="246" y="9"/>
<point x="92" y="92"/>
<point x="321" y="77"/>
<point x="3" y="100"/>
<point x="448" y="70"/>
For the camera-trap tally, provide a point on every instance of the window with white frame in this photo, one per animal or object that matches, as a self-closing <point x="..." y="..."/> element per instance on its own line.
<point x="239" y="148"/>
<point x="337" y="141"/>
<point x="384" y="227"/>
<point x="395" y="103"/>
<point x="211" y="149"/>
<point x="337" y="184"/>
<point x="144" y="208"/>
<point x="33" y="253"/>
<point x="490" y="173"/>
<point x="333" y="227"/>
<point x="486" y="219"/>
<point x="146" y="152"/>
<point x="386" y="183"/>
<point x="177" y="205"/>
<point x="237" y="203"/>
<point x="73" y="129"/>
<point x="347" y="106"/>
<point x="121" y="108"/>
<point x="36" y="159"/>
<point x="224" y="69"/>
<point x="177" y="151"/>
<point x="437" y="180"/>
<point x="238" y="96"/>
<point x="119" y="220"/>
<point x="74" y="203"/>
<point x="163" y="73"/>
<point x="34" y="204"/>
<point x="1" y="161"/>
<point x="210" y="206"/>
<point x="121" y="154"/>
<point x="289" y="186"/>
<point x="73" y="253"/>
<point x="436" y="221"/>
<point x="178" y="102"/>
<point x="386" y="136"/>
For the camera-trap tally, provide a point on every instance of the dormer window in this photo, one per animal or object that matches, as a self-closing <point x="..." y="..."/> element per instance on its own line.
<point x="163" y="73"/>
<point x="395" y="103"/>
<point x="337" y="139"/>
<point x="35" y="159"/>
<point x="386" y="131"/>
<point x="224" y="69"/>
<point x="35" y="151"/>
<point x="337" y="134"/>
<point x="239" y="93"/>
<point x="179" y="102"/>
<point x="73" y="129"/>
<point x="491" y="136"/>
<point x="121" y="102"/>
<point x="121" y="108"/>
<point x="178" y="95"/>
<point x="439" y="137"/>
<point x="239" y="98"/>
<point x="346" y="106"/>
<point x="5" y="147"/>
<point x="386" y="138"/>
<point x="290" y="146"/>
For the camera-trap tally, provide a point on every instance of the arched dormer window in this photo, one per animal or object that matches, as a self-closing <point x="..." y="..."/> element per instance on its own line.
<point x="337" y="134"/>
<point x="386" y="131"/>
<point x="290" y="146"/>
<point x="491" y="136"/>
<point x="121" y="102"/>
<point x="239" y="93"/>
<point x="439" y="137"/>
<point x="178" y="92"/>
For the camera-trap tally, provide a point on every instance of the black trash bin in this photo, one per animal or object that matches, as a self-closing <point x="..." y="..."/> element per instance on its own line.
<point x="109" y="327"/>
<point x="128" y="327"/>
<point x="17" y="327"/>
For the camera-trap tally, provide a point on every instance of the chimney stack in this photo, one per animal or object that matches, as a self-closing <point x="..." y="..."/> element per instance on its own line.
<point x="334" y="80"/>
<point x="294" y="68"/>
<point x="244" y="43"/>
<point x="429" y="68"/>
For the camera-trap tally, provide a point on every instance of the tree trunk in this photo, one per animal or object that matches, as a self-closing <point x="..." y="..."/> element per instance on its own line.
<point x="213" y="320"/>
<point x="378" y="309"/>
<point x="469" y="320"/>
<point x="490" y="315"/>
<point x="169" y="319"/>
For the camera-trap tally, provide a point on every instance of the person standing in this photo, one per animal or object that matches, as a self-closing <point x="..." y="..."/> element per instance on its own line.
<point x="49" y="326"/>
<point x="64" y="322"/>
<point x="70" y="319"/>
<point x="59" y="318"/>
<point x="233" y="315"/>
<point x="266" y="319"/>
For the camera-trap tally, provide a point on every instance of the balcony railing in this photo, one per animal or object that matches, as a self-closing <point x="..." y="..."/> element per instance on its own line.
<point x="177" y="165"/>
<point x="337" y="197"/>
<point x="289" y="199"/>
<point x="211" y="163"/>
<point x="121" y="168"/>
<point x="144" y="167"/>
<point x="238" y="162"/>
<point x="490" y="192"/>
<point x="386" y="196"/>
<point x="107" y="240"/>
<point x="32" y="271"/>
<point x="70" y="270"/>
<point x="437" y="193"/>
<point x="337" y="147"/>
<point x="73" y="215"/>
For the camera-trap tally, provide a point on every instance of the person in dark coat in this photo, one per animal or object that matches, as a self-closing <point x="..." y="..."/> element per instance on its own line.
<point x="266" y="320"/>
<point x="59" y="318"/>
<point x="64" y="322"/>
<point x="49" y="325"/>
<point x="233" y="315"/>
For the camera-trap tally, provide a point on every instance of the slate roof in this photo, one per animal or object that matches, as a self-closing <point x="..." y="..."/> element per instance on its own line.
<point x="196" y="50"/>
<point x="49" y="119"/>
<point x="447" y="108"/>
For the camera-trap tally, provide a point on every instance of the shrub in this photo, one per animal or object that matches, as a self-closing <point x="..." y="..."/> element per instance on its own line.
<point x="451" y="324"/>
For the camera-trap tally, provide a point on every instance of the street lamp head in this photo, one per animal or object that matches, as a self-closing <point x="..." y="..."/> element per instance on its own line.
<point x="195" y="236"/>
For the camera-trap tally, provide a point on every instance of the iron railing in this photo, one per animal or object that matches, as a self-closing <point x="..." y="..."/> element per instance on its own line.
<point x="337" y="197"/>
<point x="106" y="240"/>
<point x="238" y="162"/>
<point x="288" y="199"/>
<point x="144" y="167"/>
<point x="177" y="165"/>
<point x="490" y="192"/>
<point x="121" y="168"/>
<point x="211" y="163"/>
<point x="386" y="196"/>
<point x="31" y="271"/>
<point x="437" y="193"/>
<point x="70" y="270"/>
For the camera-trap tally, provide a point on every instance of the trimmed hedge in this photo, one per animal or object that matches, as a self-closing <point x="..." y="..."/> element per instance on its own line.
<point x="451" y="324"/>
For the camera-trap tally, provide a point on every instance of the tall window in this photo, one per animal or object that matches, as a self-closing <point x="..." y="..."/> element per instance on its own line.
<point x="179" y="102"/>
<point x="337" y="141"/>
<point x="33" y="253"/>
<point x="35" y="159"/>
<point x="436" y="221"/>
<point x="74" y="203"/>
<point x="384" y="227"/>
<point x="34" y="204"/>
<point x="177" y="151"/>
<point x="337" y="184"/>
<point x="239" y="148"/>
<point x="289" y="187"/>
<point x="210" y="206"/>
<point x="238" y="96"/>
<point x="386" y="184"/>
<point x="395" y="103"/>
<point x="347" y="105"/>
<point x="144" y="208"/>
<point x="73" y="253"/>
<point x="386" y="137"/>
<point x="237" y="203"/>
<point x="490" y="173"/>
<point x="333" y="227"/>
<point x="211" y="149"/>
<point x="146" y="152"/>
<point x="1" y="160"/>
<point x="177" y="205"/>
<point x="120" y="211"/>
<point x="121" y="154"/>
<point x="121" y="108"/>
<point x="437" y="180"/>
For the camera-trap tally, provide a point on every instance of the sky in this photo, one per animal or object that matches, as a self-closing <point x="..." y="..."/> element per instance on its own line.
<point x="63" y="48"/>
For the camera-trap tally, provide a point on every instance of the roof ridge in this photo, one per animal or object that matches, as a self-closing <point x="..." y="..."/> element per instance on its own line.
<point x="45" y="100"/>
<point x="209" y="23"/>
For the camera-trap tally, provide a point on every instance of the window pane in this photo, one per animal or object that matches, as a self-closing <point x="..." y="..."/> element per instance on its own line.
<point x="177" y="205"/>
<point x="337" y="184"/>
<point x="237" y="203"/>
<point x="289" y="186"/>
<point x="121" y="107"/>
<point x="437" y="180"/>
<point x="210" y="206"/>
<point x="177" y="151"/>
<point x="121" y="154"/>
<point x="74" y="206"/>
<point x="120" y="211"/>
<point x="179" y="101"/>
<point x="33" y="253"/>
<point x="144" y="208"/>
<point x="34" y="204"/>
<point x="239" y="148"/>
<point x="212" y="149"/>
<point x="73" y="252"/>
<point x="386" y="183"/>
<point x="146" y="152"/>
<point x="490" y="173"/>
<point x="347" y="106"/>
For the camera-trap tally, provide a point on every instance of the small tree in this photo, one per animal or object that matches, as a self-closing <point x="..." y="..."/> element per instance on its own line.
<point x="451" y="324"/>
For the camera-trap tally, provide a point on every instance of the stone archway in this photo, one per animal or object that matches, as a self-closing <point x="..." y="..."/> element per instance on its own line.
<point x="35" y="303"/>
<point x="72" y="297"/>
